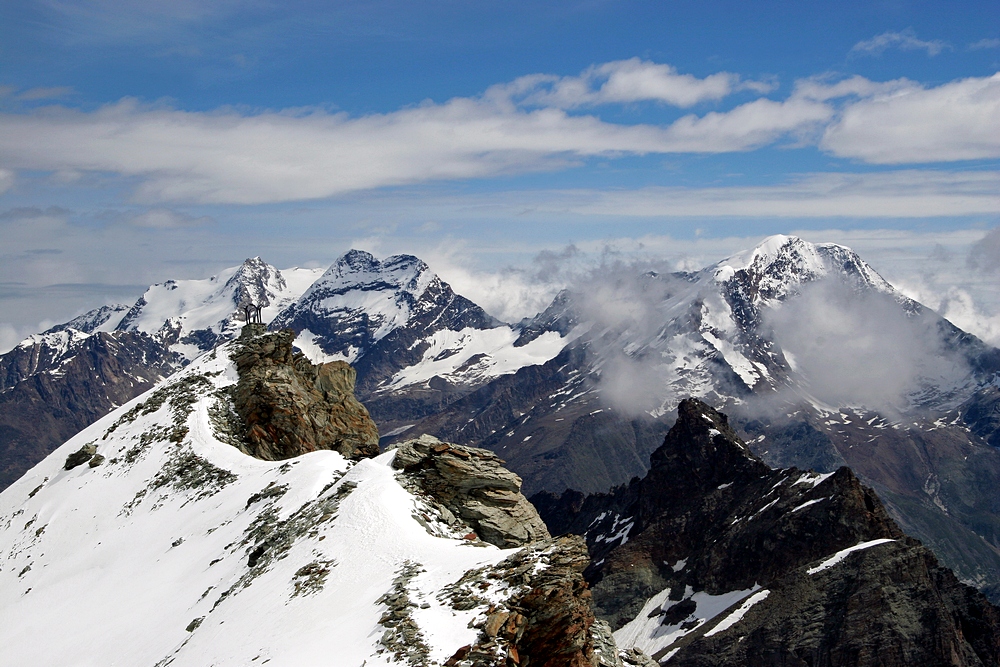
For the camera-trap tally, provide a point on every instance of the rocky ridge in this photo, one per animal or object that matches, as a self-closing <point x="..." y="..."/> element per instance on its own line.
<point x="289" y="406"/>
<point x="54" y="384"/>
<point x="196" y="542"/>
<point x="715" y="559"/>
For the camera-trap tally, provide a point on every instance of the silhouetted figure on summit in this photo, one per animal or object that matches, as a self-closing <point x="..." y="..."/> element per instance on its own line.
<point x="258" y="318"/>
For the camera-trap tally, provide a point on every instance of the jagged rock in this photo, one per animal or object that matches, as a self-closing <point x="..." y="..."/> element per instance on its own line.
<point x="803" y="568"/>
<point x="549" y="622"/>
<point x="558" y="609"/>
<point x="473" y="485"/>
<point x="290" y="406"/>
<point x="80" y="456"/>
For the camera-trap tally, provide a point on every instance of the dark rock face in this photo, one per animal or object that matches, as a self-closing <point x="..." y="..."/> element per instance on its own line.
<point x="558" y="611"/>
<point x="549" y="623"/>
<point x="937" y="480"/>
<point x="551" y="427"/>
<point x="64" y="382"/>
<point x="982" y="414"/>
<point x="290" y="406"/>
<point x="472" y="486"/>
<point x="711" y="520"/>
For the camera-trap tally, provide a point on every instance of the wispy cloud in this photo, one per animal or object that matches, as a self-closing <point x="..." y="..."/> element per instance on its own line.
<point x="622" y="82"/>
<point x="33" y="94"/>
<point x="227" y="157"/>
<point x="899" y="194"/>
<point x="988" y="43"/>
<point x="904" y="40"/>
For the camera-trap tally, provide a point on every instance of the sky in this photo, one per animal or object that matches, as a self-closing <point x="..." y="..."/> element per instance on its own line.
<point x="508" y="144"/>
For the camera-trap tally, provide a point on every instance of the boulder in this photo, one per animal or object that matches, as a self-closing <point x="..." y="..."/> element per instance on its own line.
<point x="472" y="485"/>
<point x="81" y="456"/>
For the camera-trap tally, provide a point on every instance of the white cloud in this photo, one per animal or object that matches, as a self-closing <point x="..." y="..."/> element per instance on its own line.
<point x="955" y="121"/>
<point x="905" y="40"/>
<point x="33" y="94"/>
<point x="618" y="82"/>
<point x="229" y="157"/>
<point x="821" y="90"/>
<point x="226" y="157"/>
<point x="748" y="126"/>
<point x="861" y="349"/>
<point x="9" y="337"/>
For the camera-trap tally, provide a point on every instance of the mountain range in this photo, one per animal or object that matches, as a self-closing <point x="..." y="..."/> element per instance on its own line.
<point x="817" y="359"/>
<point x="241" y="513"/>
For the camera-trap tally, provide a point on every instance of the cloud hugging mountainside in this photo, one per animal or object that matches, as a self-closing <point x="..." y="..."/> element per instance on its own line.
<point x="819" y="361"/>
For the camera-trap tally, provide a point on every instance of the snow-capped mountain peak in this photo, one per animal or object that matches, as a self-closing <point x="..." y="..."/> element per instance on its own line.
<point x="193" y="315"/>
<point x="779" y="264"/>
<point x="255" y="282"/>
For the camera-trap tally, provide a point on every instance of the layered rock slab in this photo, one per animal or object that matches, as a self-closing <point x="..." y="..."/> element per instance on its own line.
<point x="471" y="485"/>
<point x="289" y="406"/>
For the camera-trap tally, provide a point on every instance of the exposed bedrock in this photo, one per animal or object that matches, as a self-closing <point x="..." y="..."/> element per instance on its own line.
<point x="805" y="569"/>
<point x="290" y="406"/>
<point x="473" y="485"/>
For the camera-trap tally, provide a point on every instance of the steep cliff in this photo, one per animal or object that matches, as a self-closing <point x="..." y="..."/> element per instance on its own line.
<point x="715" y="559"/>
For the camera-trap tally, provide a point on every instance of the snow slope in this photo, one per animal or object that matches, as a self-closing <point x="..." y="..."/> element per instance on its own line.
<point x="179" y="549"/>
<point x="194" y="314"/>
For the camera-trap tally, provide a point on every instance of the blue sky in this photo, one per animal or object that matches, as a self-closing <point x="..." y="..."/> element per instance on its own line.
<point x="141" y="141"/>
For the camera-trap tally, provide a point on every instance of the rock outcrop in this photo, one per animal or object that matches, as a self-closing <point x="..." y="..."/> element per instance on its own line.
<point x="471" y="486"/>
<point x="715" y="559"/>
<point x="548" y="622"/>
<point x="290" y="406"/>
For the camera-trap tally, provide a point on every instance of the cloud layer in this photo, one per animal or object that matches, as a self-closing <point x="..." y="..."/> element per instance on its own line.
<point x="232" y="157"/>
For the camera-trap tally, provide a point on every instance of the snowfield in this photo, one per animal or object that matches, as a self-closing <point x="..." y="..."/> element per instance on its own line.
<point x="179" y="549"/>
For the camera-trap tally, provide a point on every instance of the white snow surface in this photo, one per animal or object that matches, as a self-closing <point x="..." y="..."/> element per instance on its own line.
<point x="650" y="635"/>
<point x="737" y="615"/>
<point x="109" y="565"/>
<point x="844" y="553"/>
<point x="451" y="355"/>
<point x="211" y="303"/>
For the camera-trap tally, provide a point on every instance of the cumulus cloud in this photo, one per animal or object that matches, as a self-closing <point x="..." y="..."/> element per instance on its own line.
<point x="955" y="121"/>
<point x="904" y="40"/>
<point x="861" y="349"/>
<point x="621" y="81"/>
<point x="960" y="308"/>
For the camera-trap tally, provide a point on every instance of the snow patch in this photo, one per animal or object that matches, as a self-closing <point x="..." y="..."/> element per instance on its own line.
<point x="843" y="553"/>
